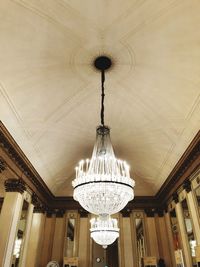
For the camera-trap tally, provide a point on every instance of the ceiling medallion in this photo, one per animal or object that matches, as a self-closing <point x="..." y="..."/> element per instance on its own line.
<point x="103" y="185"/>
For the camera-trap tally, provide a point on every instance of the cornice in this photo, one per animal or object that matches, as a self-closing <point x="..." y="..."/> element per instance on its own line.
<point x="9" y="145"/>
<point x="188" y="164"/>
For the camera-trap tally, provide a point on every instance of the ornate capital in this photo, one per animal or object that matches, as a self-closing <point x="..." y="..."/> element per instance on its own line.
<point x="150" y="212"/>
<point x="165" y="207"/>
<point x="38" y="205"/>
<point x="83" y="213"/>
<point x="160" y="212"/>
<point x="2" y="166"/>
<point x="187" y="186"/>
<point x="35" y="200"/>
<point x="38" y="209"/>
<point x="60" y="213"/>
<point x="49" y="212"/>
<point x="126" y="212"/>
<point x="175" y="197"/>
<point x="15" y="185"/>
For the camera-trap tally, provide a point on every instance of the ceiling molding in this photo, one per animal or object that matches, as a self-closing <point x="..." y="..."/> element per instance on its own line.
<point x="185" y="167"/>
<point x="26" y="171"/>
<point x="11" y="154"/>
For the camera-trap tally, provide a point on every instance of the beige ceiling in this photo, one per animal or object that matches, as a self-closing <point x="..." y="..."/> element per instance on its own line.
<point x="49" y="92"/>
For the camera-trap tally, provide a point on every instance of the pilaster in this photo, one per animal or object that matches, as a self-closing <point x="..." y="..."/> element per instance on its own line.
<point x="9" y="219"/>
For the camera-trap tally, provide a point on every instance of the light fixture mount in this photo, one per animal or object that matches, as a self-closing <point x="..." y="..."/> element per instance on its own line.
<point x="102" y="63"/>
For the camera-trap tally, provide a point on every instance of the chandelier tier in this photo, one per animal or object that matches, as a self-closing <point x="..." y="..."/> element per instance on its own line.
<point x="104" y="230"/>
<point x="103" y="184"/>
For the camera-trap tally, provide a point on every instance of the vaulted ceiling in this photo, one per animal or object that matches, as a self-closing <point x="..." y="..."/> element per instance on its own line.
<point x="50" y="92"/>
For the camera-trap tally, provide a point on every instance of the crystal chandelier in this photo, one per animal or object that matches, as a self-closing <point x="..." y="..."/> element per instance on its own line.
<point x="103" y="184"/>
<point x="104" y="230"/>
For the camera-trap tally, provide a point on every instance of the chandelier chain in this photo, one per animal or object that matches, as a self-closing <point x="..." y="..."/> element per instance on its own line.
<point x="102" y="96"/>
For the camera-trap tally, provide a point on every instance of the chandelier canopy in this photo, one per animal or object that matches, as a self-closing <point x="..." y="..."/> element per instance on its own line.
<point x="104" y="230"/>
<point x="103" y="184"/>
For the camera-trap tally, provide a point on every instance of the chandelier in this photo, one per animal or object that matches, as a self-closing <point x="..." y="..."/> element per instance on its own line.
<point x="104" y="230"/>
<point x="103" y="184"/>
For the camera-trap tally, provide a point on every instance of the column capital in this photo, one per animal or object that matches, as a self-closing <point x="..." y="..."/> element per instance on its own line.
<point x="38" y="205"/>
<point x="187" y="186"/>
<point x="60" y="213"/>
<point x="160" y="212"/>
<point x="150" y="212"/>
<point x="39" y="209"/>
<point x="175" y="197"/>
<point x="165" y="208"/>
<point x="49" y="212"/>
<point x="83" y="213"/>
<point x="126" y="212"/>
<point x="34" y="199"/>
<point x="15" y="185"/>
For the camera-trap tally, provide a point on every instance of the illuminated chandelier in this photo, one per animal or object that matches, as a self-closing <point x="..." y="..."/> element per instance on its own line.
<point x="104" y="230"/>
<point x="103" y="184"/>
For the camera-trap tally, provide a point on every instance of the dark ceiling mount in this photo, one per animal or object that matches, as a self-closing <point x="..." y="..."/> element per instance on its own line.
<point x="102" y="63"/>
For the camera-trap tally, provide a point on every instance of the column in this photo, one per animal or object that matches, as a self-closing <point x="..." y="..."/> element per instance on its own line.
<point x="127" y="239"/>
<point x="34" y="246"/>
<point x="133" y="217"/>
<point x="84" y="242"/>
<point x="170" y="237"/>
<point x="59" y="237"/>
<point x="152" y="242"/>
<point x="9" y="219"/>
<point x="193" y="210"/>
<point x="163" y="241"/>
<point x="183" y="234"/>
<point x="22" y="262"/>
<point x="47" y="246"/>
